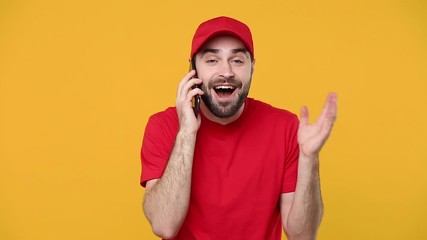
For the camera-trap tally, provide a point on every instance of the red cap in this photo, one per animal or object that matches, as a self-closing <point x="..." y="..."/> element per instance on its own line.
<point x="222" y="26"/>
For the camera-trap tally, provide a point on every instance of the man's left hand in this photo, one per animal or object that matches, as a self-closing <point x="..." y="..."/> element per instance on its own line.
<point x="312" y="137"/>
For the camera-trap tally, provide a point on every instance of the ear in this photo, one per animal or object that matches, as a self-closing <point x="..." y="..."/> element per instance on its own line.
<point x="252" y="66"/>
<point x="190" y="65"/>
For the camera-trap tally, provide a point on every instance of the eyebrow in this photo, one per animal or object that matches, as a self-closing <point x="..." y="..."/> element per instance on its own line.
<point x="209" y="50"/>
<point x="215" y="51"/>
<point x="237" y="50"/>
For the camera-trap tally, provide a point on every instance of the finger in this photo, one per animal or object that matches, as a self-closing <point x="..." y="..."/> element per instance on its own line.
<point x="330" y="107"/>
<point x="189" y="86"/>
<point x="331" y="113"/>
<point x="184" y="80"/>
<point x="185" y="99"/>
<point x="192" y="93"/>
<point x="304" y="116"/>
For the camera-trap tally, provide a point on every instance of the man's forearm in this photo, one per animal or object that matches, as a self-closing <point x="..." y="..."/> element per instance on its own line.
<point x="166" y="203"/>
<point x="307" y="207"/>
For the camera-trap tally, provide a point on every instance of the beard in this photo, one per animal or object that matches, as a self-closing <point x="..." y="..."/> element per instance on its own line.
<point x="225" y="109"/>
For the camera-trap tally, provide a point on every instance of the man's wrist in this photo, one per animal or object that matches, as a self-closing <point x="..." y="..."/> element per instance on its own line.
<point x="309" y="161"/>
<point x="186" y="135"/>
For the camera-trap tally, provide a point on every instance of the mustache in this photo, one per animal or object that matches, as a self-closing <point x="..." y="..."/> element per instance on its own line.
<point x="233" y="82"/>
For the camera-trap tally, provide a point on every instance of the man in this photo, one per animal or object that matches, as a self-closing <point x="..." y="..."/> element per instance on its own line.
<point x="240" y="168"/>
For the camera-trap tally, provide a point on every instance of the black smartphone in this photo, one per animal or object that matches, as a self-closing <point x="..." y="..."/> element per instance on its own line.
<point x="196" y="99"/>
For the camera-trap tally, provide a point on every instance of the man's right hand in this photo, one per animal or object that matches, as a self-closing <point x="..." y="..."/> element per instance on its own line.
<point x="167" y="199"/>
<point x="187" y="120"/>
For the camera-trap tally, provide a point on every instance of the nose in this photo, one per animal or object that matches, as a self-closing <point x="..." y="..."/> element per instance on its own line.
<point x="226" y="70"/>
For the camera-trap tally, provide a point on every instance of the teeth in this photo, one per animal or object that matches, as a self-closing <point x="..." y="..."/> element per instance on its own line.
<point x="224" y="88"/>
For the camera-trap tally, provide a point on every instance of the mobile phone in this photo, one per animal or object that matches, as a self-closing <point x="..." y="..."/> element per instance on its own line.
<point x="196" y="99"/>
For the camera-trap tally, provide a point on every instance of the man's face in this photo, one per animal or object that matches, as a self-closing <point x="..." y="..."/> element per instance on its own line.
<point x="226" y="68"/>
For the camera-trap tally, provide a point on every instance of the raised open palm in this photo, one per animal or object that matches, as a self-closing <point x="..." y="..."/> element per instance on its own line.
<point x="311" y="137"/>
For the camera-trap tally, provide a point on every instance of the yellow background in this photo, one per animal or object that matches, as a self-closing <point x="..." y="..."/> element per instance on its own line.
<point x="79" y="79"/>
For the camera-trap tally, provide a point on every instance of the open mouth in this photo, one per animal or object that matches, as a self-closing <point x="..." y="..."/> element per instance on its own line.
<point x="224" y="91"/>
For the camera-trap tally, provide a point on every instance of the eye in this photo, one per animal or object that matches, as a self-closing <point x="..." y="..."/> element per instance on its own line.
<point x="237" y="61"/>
<point x="211" y="61"/>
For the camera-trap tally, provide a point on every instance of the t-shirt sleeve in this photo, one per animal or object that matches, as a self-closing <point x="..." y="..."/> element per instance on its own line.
<point x="156" y="147"/>
<point x="291" y="156"/>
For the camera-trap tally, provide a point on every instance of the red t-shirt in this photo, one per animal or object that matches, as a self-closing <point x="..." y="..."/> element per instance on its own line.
<point x="239" y="171"/>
